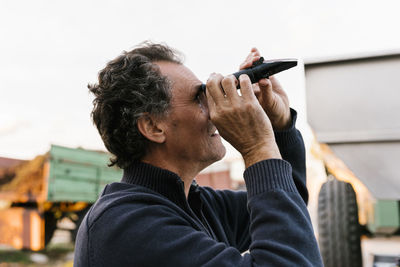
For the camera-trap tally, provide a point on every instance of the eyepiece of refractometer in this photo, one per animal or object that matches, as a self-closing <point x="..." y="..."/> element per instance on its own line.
<point x="264" y="68"/>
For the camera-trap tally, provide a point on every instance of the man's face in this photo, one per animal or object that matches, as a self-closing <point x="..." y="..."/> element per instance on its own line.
<point x="190" y="135"/>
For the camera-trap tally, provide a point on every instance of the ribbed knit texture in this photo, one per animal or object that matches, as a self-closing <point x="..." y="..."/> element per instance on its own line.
<point x="269" y="175"/>
<point x="165" y="182"/>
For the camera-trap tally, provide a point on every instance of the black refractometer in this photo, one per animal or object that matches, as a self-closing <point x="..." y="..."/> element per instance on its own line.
<point x="263" y="69"/>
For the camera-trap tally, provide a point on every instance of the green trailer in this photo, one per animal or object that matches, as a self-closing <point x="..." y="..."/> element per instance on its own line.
<point x="77" y="175"/>
<point x="35" y="195"/>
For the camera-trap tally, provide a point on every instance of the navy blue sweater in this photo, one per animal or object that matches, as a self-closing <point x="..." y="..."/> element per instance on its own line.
<point x="146" y="219"/>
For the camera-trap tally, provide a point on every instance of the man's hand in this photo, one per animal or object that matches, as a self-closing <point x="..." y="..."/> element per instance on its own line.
<point x="270" y="95"/>
<point x="240" y="119"/>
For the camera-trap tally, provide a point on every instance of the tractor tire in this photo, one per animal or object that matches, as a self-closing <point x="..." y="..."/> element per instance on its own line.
<point x="338" y="225"/>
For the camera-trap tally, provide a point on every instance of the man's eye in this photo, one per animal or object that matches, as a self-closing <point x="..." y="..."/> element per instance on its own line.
<point x="200" y="96"/>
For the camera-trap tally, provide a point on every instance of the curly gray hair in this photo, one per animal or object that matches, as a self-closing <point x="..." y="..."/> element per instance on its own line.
<point x="129" y="86"/>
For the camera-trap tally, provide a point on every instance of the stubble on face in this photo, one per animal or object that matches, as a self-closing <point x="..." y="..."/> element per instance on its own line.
<point x="190" y="133"/>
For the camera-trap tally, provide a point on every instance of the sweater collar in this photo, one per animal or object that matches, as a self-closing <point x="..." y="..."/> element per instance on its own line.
<point x="162" y="181"/>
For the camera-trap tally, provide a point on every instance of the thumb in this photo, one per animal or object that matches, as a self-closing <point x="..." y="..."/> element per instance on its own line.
<point x="266" y="91"/>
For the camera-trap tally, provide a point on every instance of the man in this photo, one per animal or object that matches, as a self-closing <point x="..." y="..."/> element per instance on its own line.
<point x="161" y="127"/>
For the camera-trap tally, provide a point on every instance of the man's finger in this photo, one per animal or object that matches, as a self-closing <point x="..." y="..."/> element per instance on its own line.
<point x="255" y="51"/>
<point x="246" y="88"/>
<point x="214" y="88"/>
<point x="266" y="90"/>
<point x="253" y="56"/>
<point x="229" y="85"/>
<point x="256" y="89"/>
<point x="276" y="86"/>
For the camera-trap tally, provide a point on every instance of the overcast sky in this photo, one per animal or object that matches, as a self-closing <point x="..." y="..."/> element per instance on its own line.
<point x="50" y="51"/>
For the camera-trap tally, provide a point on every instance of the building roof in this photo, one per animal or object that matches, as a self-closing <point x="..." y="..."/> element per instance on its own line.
<point x="352" y="57"/>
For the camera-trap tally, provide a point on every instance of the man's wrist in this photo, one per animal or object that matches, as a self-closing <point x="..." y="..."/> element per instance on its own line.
<point x="284" y="122"/>
<point x="291" y="122"/>
<point x="290" y="135"/>
<point x="261" y="152"/>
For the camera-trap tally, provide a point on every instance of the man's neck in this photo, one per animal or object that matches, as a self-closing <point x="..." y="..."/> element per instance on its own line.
<point x="185" y="170"/>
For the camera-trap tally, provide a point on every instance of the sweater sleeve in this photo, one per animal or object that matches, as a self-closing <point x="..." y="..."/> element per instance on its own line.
<point x="153" y="233"/>
<point x="291" y="146"/>
<point x="231" y="207"/>
<point x="280" y="224"/>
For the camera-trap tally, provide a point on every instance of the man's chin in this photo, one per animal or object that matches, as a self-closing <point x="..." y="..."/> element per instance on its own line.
<point x="219" y="154"/>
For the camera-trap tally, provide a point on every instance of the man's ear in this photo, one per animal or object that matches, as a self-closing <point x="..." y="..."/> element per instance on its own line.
<point x="151" y="128"/>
